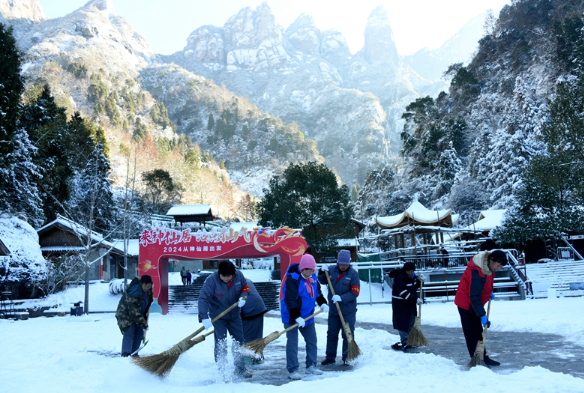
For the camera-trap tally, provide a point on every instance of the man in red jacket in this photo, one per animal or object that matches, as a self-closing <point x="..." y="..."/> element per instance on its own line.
<point x="474" y="290"/>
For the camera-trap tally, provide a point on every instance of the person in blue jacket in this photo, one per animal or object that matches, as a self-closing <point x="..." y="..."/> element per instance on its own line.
<point x="252" y="317"/>
<point x="301" y="294"/>
<point x="220" y="290"/>
<point x="346" y="285"/>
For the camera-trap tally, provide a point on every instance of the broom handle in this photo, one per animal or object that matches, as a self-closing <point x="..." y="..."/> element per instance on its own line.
<point x="296" y="324"/>
<point x="487" y="326"/>
<point x="422" y="297"/>
<point x="199" y="330"/>
<point x="328" y="278"/>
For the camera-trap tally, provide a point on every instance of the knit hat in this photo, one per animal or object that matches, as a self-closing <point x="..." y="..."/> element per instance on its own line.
<point x="344" y="257"/>
<point x="307" y="262"/>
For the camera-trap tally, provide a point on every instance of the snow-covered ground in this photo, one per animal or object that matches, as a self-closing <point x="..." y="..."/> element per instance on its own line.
<point x="61" y="353"/>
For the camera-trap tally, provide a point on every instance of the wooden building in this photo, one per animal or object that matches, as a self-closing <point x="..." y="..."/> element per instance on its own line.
<point x="65" y="238"/>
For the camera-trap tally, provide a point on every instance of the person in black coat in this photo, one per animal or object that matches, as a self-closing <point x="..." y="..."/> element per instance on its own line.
<point x="404" y="300"/>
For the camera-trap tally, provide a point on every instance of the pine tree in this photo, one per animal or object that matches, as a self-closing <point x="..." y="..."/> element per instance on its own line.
<point x="20" y="193"/>
<point x="92" y="192"/>
<point x="11" y="88"/>
<point x="46" y="124"/>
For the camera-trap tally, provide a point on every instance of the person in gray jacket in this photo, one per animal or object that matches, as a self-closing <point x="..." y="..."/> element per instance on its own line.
<point x="220" y="290"/>
<point x="347" y="285"/>
<point x="252" y="317"/>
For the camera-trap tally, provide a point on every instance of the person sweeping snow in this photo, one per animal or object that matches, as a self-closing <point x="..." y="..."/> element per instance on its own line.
<point x="132" y="313"/>
<point x="346" y="286"/>
<point x="474" y="290"/>
<point x="403" y="303"/>
<point x="252" y="318"/>
<point x="220" y="290"/>
<point x="301" y="294"/>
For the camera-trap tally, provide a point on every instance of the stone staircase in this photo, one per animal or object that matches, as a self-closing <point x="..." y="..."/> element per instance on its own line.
<point x="182" y="299"/>
<point x="565" y="276"/>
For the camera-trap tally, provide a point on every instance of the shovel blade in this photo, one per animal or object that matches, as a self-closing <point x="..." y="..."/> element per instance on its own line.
<point x="140" y="348"/>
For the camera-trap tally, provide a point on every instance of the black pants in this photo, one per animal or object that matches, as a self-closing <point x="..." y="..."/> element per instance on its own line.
<point x="472" y="329"/>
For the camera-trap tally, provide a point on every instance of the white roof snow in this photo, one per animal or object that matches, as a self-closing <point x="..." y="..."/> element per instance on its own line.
<point x="189" y="210"/>
<point x="418" y="214"/>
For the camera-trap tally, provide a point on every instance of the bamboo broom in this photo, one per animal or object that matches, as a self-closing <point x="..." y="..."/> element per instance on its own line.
<point x="416" y="337"/>
<point x="162" y="363"/>
<point x="353" y="350"/>
<point x="257" y="346"/>
<point x="478" y="359"/>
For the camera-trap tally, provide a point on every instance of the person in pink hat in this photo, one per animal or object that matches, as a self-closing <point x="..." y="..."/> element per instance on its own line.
<point x="301" y="295"/>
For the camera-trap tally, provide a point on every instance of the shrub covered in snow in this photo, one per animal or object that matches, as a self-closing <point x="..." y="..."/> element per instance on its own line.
<point x="116" y="286"/>
<point x="24" y="271"/>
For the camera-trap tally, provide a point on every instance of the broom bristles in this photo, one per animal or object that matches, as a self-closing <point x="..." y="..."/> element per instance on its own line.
<point x="353" y="351"/>
<point x="259" y="344"/>
<point x="478" y="359"/>
<point x="162" y="363"/>
<point x="416" y="337"/>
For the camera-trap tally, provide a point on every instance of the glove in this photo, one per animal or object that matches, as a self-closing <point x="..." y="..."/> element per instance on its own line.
<point x="207" y="323"/>
<point x="485" y="321"/>
<point x="419" y="301"/>
<point x="421" y="277"/>
<point x="324" y="307"/>
<point x="241" y="302"/>
<point x="493" y="296"/>
<point x="324" y="268"/>
<point x="300" y="321"/>
<point x="336" y="298"/>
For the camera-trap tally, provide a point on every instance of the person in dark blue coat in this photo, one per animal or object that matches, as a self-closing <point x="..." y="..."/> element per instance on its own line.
<point x="252" y="317"/>
<point x="346" y="285"/>
<point x="220" y="290"/>
<point x="403" y="303"/>
<point x="301" y="294"/>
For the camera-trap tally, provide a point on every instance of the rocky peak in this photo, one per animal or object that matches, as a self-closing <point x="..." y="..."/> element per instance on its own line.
<point x="333" y="42"/>
<point x="22" y="9"/>
<point x="106" y="6"/>
<point x="248" y="29"/>
<point x="304" y="35"/>
<point x="379" y="43"/>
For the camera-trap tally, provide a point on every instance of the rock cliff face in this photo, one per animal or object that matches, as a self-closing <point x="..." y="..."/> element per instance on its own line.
<point x="379" y="44"/>
<point x="309" y="77"/>
<point x="22" y="9"/>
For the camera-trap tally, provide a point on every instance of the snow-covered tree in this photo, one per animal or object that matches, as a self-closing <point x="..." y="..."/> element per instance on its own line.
<point x="92" y="192"/>
<point x="25" y="270"/>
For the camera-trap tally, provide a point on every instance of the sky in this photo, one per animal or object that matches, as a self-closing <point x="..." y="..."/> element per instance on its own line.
<point x="166" y="24"/>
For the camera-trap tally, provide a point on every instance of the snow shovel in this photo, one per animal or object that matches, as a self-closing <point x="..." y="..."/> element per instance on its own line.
<point x="353" y="350"/>
<point x="478" y="359"/>
<point x="162" y="363"/>
<point x="416" y="337"/>
<point x="257" y="346"/>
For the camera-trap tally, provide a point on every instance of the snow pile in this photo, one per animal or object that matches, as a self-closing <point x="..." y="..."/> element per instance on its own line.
<point x="72" y="359"/>
<point x="25" y="264"/>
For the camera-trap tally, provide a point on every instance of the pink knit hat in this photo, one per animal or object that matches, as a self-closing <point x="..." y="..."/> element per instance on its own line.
<point x="307" y="262"/>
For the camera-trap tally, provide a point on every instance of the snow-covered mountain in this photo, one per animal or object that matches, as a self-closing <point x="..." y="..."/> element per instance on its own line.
<point x="432" y="63"/>
<point x="309" y="77"/>
<point x="468" y="149"/>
